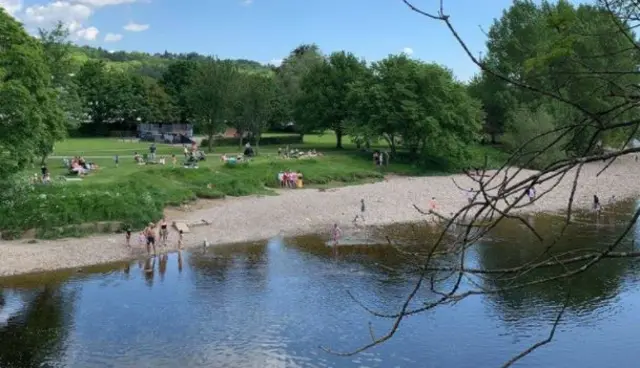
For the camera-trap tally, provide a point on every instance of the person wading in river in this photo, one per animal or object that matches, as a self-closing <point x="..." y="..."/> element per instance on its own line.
<point x="150" y="234"/>
<point x="164" y="231"/>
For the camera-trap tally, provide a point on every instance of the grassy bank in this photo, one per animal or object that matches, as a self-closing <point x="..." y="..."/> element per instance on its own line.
<point x="133" y="195"/>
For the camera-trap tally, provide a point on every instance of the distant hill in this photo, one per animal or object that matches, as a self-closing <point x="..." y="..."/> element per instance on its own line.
<point x="152" y="65"/>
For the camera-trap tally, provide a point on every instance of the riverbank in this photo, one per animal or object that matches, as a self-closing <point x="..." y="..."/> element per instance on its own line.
<point x="296" y="212"/>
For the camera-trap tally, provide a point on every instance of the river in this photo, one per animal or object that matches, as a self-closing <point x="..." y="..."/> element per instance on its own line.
<point x="273" y="304"/>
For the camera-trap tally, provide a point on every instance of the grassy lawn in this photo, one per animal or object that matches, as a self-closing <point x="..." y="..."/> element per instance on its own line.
<point x="134" y="195"/>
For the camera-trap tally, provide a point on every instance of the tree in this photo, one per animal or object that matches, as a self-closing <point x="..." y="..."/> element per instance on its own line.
<point x="257" y="100"/>
<point x="419" y="106"/>
<point x="210" y="96"/>
<point x="158" y="102"/>
<point x="290" y="74"/>
<point x="58" y="52"/>
<point x="29" y="114"/>
<point x="176" y="81"/>
<point x="322" y="101"/>
<point x="116" y="97"/>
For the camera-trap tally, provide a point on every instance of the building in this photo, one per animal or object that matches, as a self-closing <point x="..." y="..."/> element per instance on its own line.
<point x="166" y="132"/>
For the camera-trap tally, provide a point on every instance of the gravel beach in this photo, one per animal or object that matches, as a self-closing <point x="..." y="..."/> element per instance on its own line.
<point x="302" y="211"/>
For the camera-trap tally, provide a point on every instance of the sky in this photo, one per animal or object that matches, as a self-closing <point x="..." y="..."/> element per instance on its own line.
<point x="267" y="30"/>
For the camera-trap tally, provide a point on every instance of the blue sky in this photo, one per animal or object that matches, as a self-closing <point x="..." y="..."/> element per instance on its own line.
<point x="266" y="30"/>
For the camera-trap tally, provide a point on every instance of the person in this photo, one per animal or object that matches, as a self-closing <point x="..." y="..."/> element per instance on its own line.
<point x="116" y="159"/>
<point x="150" y="234"/>
<point x="164" y="231"/>
<point x="152" y="152"/>
<point x="336" y="234"/>
<point x="180" y="238"/>
<point x="470" y="195"/>
<point x="281" y="178"/>
<point x="299" y="183"/>
<point x="174" y="160"/>
<point x="293" y="177"/>
<point x="361" y="214"/>
<point x="596" y="204"/>
<point x="433" y="205"/>
<point x="127" y="236"/>
<point x="531" y="193"/>
<point x="185" y="150"/>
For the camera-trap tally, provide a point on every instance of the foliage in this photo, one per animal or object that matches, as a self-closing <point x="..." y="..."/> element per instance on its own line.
<point x="322" y="102"/>
<point x="419" y="106"/>
<point x="29" y="114"/>
<point x="560" y="50"/>
<point x="293" y="69"/>
<point x="256" y="99"/>
<point x="532" y="134"/>
<point x="210" y="95"/>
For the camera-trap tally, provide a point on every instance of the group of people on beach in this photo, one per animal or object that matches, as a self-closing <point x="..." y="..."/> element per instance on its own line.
<point x="290" y="179"/>
<point x="148" y="235"/>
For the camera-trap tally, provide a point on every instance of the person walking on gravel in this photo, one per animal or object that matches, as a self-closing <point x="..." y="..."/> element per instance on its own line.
<point x="361" y="214"/>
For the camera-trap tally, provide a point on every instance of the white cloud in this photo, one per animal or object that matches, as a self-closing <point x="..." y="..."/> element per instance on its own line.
<point x="11" y="6"/>
<point x="408" y="51"/>
<point x="134" y="27"/>
<point x="247" y="2"/>
<point x="276" y="62"/>
<point x="112" y="37"/>
<point x="101" y="3"/>
<point x="88" y="34"/>
<point x="48" y="15"/>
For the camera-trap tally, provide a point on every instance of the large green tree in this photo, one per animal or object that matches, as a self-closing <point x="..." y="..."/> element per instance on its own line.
<point x="419" y="106"/>
<point x="210" y="96"/>
<point x="176" y="81"/>
<point x="290" y="74"/>
<point x="257" y="103"/>
<point x="29" y="112"/>
<point x="559" y="51"/>
<point x="322" y="102"/>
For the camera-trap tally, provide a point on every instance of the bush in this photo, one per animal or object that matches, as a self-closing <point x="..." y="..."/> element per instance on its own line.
<point x="265" y="141"/>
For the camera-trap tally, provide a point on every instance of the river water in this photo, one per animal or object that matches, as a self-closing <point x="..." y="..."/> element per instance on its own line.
<point x="274" y="304"/>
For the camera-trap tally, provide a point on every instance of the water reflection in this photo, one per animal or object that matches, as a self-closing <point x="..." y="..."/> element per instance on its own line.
<point x="36" y="327"/>
<point x="273" y="304"/>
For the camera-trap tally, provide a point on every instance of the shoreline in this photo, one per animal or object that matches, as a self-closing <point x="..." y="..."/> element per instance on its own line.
<point x="306" y="211"/>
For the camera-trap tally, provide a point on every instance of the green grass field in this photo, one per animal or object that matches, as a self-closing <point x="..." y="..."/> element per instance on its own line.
<point x="134" y="195"/>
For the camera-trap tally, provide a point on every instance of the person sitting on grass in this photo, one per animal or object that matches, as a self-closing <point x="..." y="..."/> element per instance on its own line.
<point x="137" y="158"/>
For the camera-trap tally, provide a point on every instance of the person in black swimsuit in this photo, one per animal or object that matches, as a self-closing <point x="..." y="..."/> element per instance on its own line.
<point x="151" y="237"/>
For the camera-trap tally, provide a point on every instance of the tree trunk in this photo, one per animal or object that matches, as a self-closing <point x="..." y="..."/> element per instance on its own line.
<point x="257" y="138"/>
<point x="339" y="134"/>
<point x="210" y="141"/>
<point x="241" y="139"/>
<point x="301" y="137"/>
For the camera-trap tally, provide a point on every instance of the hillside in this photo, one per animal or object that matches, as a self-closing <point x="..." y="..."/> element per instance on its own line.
<point x="152" y="65"/>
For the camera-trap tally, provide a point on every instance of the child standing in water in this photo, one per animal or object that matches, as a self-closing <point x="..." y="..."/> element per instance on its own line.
<point x="180" y="237"/>
<point x="336" y="234"/>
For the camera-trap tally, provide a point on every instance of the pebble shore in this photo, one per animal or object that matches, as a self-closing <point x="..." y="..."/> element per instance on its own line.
<point x="295" y="212"/>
